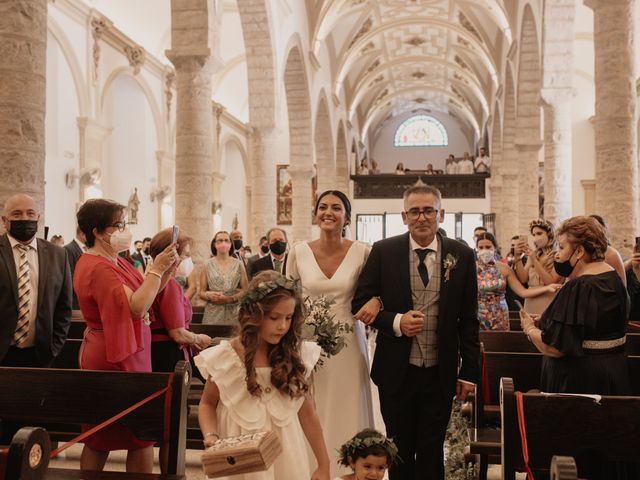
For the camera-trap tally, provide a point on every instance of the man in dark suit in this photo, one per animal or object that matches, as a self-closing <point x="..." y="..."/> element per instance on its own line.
<point x="262" y="252"/>
<point x="35" y="301"/>
<point x="75" y="248"/>
<point x="427" y="288"/>
<point x="277" y="258"/>
<point x="138" y="254"/>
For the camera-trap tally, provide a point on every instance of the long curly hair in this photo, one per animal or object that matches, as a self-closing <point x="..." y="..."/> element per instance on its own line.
<point x="287" y="368"/>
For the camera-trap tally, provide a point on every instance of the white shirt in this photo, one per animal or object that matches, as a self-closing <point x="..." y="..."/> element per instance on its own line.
<point x="452" y="168"/>
<point x="430" y="262"/>
<point x="485" y="160"/>
<point x="465" y="166"/>
<point x="32" y="258"/>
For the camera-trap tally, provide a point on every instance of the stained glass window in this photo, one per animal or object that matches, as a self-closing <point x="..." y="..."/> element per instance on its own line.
<point x="421" y="131"/>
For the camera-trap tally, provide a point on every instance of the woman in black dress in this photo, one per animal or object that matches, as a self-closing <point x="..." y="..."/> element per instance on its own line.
<point x="582" y="332"/>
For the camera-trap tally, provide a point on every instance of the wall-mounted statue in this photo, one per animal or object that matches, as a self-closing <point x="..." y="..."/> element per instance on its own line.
<point x="132" y="207"/>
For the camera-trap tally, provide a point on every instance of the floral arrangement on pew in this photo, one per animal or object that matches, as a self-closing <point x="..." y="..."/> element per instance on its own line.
<point x="321" y="326"/>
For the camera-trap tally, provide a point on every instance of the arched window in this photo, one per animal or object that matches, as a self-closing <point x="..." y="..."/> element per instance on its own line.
<point x="421" y="131"/>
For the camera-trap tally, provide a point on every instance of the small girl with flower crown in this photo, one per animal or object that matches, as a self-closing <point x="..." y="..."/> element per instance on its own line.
<point x="258" y="381"/>
<point x="369" y="454"/>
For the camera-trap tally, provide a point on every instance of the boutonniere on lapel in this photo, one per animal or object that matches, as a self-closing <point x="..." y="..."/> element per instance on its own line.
<point x="449" y="264"/>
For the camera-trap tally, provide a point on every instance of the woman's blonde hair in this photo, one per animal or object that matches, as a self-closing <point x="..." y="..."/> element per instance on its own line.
<point x="287" y="369"/>
<point x="586" y="231"/>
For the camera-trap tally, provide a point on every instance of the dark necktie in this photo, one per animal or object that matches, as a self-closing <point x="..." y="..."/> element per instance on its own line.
<point x="422" y="267"/>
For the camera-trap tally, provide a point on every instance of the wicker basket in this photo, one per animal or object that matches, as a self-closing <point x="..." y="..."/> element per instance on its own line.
<point x="254" y="452"/>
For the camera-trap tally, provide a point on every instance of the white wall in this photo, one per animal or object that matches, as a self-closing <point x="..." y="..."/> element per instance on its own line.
<point x="417" y="158"/>
<point x="62" y="144"/>
<point x="233" y="193"/>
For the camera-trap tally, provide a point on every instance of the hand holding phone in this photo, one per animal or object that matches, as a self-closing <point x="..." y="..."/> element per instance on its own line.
<point x="174" y="234"/>
<point x="636" y="248"/>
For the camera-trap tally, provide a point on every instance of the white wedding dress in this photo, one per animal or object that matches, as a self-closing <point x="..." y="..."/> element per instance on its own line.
<point x="341" y="387"/>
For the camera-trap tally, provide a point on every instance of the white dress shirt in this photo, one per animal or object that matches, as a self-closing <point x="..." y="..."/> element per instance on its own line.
<point x="32" y="258"/>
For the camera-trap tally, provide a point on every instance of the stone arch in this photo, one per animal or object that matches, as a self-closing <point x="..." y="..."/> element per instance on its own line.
<point x="73" y="63"/>
<point x="509" y="164"/>
<point x="528" y="141"/>
<point x="233" y="138"/>
<point x="148" y="93"/>
<point x="323" y="141"/>
<point x="342" y="160"/>
<point x="300" y="141"/>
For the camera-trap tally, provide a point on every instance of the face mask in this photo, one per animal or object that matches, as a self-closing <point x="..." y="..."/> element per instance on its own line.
<point x="264" y="249"/>
<point x="23" y="230"/>
<point x="120" y="241"/>
<point x="237" y="244"/>
<point x="138" y="249"/>
<point x="185" y="268"/>
<point x="147" y="250"/>
<point x="540" y="242"/>
<point x="223" y="248"/>
<point x="278" y="247"/>
<point x="564" y="269"/>
<point x="486" y="256"/>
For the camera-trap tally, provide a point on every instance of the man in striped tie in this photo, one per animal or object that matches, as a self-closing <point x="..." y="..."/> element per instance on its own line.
<point x="35" y="289"/>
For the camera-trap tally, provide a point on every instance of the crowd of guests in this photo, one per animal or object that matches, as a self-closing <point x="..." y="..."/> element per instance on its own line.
<point x="425" y="294"/>
<point x="466" y="165"/>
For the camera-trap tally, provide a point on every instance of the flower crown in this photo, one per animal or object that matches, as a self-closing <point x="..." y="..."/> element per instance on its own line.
<point x="263" y="289"/>
<point x="358" y="446"/>
<point x="545" y="225"/>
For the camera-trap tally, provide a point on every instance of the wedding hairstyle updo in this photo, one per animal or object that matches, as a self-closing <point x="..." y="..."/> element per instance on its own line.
<point x="265" y="290"/>
<point x="588" y="232"/>
<point x="345" y="203"/>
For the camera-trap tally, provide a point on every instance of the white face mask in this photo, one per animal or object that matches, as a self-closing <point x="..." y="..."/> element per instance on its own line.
<point x="486" y="256"/>
<point x="185" y="268"/>
<point x="120" y="241"/>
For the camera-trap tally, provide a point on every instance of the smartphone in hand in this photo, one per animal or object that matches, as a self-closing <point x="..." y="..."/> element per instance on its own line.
<point x="636" y="248"/>
<point x="174" y="234"/>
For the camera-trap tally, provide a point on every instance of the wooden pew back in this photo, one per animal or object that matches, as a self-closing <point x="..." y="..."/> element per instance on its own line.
<point x="61" y="400"/>
<point x="567" y="425"/>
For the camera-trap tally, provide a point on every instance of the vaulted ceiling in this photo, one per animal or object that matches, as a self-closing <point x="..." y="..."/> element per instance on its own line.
<point x="390" y="57"/>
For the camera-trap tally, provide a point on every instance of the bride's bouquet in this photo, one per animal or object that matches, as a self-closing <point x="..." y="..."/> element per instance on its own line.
<point x="321" y="326"/>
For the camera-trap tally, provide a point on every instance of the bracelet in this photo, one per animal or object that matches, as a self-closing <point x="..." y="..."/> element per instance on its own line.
<point x="194" y="339"/>
<point x="211" y="434"/>
<point x="151" y="272"/>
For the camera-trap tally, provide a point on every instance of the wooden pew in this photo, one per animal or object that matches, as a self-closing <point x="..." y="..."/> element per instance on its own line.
<point x="567" y="425"/>
<point x="77" y="327"/>
<point x="563" y="468"/>
<point x="27" y="457"/>
<point x="61" y="400"/>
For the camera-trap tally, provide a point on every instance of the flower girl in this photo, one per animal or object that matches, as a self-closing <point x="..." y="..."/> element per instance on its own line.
<point x="258" y="380"/>
<point x="369" y="454"/>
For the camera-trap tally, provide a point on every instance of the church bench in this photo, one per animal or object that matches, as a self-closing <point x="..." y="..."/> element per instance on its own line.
<point x="60" y="400"/>
<point x="27" y="456"/>
<point x="563" y="468"/>
<point x="567" y="425"/>
<point x="77" y="327"/>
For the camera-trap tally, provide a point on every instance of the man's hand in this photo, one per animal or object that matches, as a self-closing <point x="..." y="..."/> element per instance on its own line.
<point x="463" y="389"/>
<point x="411" y="323"/>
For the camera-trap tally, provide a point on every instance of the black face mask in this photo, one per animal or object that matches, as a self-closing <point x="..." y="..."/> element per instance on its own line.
<point x="147" y="250"/>
<point x="237" y="244"/>
<point x="264" y="249"/>
<point x="564" y="269"/>
<point x="278" y="247"/>
<point x="23" y="230"/>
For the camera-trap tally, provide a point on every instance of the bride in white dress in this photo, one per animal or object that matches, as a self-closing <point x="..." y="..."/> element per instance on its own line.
<point x="331" y="266"/>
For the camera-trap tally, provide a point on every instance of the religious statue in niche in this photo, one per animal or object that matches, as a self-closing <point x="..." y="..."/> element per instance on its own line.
<point x="132" y="207"/>
<point x="284" y="191"/>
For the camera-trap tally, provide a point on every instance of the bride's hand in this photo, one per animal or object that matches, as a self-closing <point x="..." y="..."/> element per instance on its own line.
<point x="369" y="311"/>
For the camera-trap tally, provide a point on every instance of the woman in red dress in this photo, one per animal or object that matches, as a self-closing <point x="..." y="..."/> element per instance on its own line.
<point x="171" y="340"/>
<point x="115" y="301"/>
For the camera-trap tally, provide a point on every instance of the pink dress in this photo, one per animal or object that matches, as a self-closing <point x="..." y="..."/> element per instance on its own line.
<point x="113" y="340"/>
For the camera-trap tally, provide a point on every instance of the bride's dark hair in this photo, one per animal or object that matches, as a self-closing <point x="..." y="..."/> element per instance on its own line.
<point x="287" y="368"/>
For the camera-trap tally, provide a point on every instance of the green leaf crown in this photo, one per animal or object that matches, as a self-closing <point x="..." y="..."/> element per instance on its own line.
<point x="360" y="447"/>
<point x="257" y="293"/>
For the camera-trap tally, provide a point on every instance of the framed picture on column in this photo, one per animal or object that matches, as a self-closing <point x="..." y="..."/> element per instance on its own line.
<point x="283" y="195"/>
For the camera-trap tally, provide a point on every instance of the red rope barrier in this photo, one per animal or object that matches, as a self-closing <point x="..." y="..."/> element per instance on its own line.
<point x="4" y="456"/>
<point x="523" y="434"/>
<point x="118" y="416"/>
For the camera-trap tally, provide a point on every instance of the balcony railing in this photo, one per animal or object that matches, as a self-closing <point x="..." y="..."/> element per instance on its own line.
<point x="393" y="186"/>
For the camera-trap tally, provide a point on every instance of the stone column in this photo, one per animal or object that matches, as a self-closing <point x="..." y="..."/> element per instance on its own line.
<point x="528" y="185"/>
<point x="509" y="172"/>
<point x="165" y="180"/>
<point x="301" y="201"/>
<point x="265" y="152"/>
<point x="615" y="122"/>
<point x="557" y="154"/>
<point x="191" y="56"/>
<point x="23" y="46"/>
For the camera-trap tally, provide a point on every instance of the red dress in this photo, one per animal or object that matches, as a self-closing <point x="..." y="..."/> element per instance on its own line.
<point x="113" y="339"/>
<point x="171" y="310"/>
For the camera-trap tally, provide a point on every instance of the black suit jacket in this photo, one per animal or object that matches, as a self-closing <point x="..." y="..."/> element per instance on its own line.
<point x="386" y="274"/>
<point x="139" y="257"/>
<point x="265" y="263"/>
<point x="73" y="254"/>
<point x="54" y="299"/>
